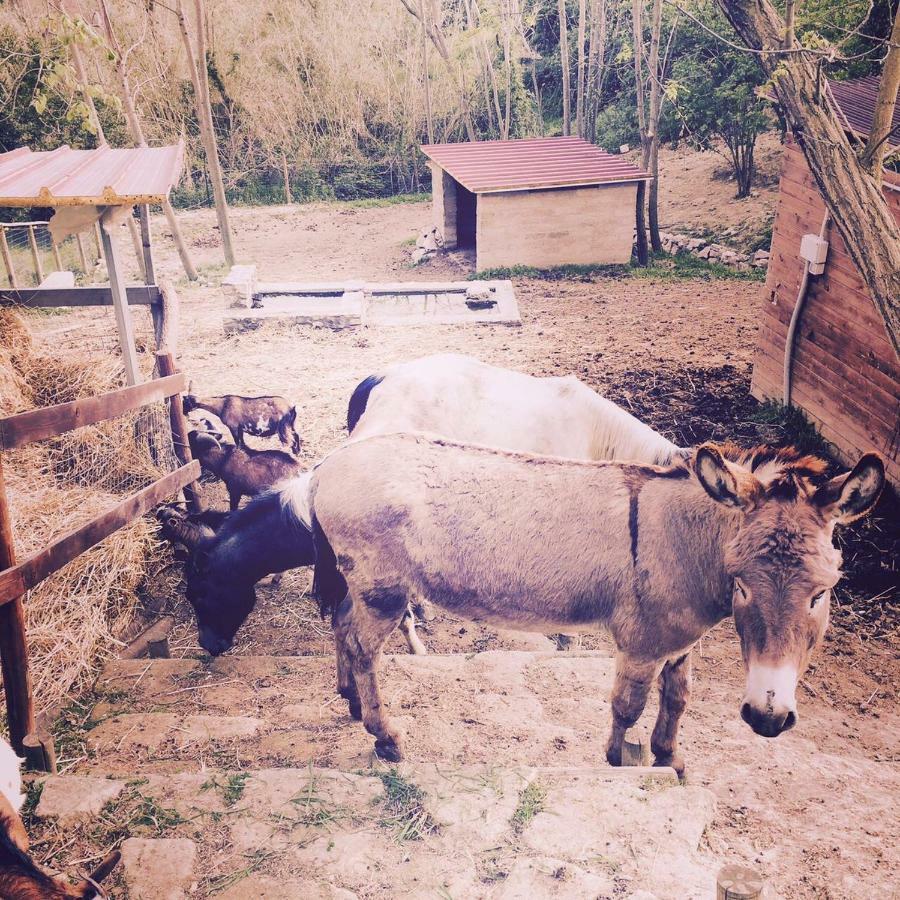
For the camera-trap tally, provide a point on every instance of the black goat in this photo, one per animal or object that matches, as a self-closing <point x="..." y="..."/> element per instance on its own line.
<point x="246" y="472"/>
<point x="259" y="416"/>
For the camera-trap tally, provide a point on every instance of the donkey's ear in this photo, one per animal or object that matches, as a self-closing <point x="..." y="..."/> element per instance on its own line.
<point x="849" y="496"/>
<point x="724" y="482"/>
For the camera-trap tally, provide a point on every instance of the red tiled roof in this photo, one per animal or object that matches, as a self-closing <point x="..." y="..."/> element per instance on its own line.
<point x="855" y="100"/>
<point x="101" y="177"/>
<point x="490" y="166"/>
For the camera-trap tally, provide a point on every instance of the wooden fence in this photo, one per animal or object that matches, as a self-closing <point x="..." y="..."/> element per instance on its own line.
<point x="17" y="578"/>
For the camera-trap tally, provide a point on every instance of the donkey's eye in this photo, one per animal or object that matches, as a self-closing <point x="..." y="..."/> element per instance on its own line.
<point x="741" y="590"/>
<point x="817" y="599"/>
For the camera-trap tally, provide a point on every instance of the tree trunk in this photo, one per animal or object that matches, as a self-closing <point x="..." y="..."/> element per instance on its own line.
<point x="537" y="98"/>
<point x="643" y="252"/>
<point x="852" y="195"/>
<point x="564" y="67"/>
<point x="873" y="155"/>
<point x="579" y="89"/>
<point x="429" y="120"/>
<point x="286" y="173"/>
<point x="653" y="124"/>
<point x="196" y="62"/>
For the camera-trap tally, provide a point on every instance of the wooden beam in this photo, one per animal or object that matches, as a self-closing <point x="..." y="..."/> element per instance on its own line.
<point x="166" y="365"/>
<point x="138" y="295"/>
<point x="39" y="424"/>
<point x="147" y="245"/>
<point x="57" y="259"/>
<point x="7" y="260"/>
<point x="13" y="646"/>
<point x="36" y="568"/>
<point x="120" y="304"/>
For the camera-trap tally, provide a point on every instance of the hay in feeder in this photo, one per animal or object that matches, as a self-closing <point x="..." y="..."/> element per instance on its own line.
<point x="74" y="619"/>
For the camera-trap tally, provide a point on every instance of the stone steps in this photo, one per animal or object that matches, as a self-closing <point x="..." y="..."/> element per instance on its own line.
<point x="413" y="831"/>
<point x="505" y="708"/>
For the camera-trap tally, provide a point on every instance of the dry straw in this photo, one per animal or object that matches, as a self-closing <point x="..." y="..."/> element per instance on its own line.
<point x="75" y="618"/>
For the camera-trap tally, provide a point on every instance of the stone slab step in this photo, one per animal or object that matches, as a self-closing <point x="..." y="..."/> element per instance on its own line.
<point x="501" y="707"/>
<point x="412" y="831"/>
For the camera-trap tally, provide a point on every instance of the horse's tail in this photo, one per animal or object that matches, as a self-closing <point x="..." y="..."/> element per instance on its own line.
<point x="329" y="586"/>
<point x="359" y="399"/>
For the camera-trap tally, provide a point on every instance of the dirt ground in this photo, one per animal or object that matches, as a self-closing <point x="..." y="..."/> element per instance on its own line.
<point x="812" y="809"/>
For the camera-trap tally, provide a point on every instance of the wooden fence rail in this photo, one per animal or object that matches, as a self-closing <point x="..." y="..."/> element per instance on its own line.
<point x="16" y="579"/>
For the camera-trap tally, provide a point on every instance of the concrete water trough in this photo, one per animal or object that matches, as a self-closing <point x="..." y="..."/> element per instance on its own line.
<point x="354" y="303"/>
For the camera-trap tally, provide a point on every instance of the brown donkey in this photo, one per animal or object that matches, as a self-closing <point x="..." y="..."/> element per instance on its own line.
<point x="657" y="556"/>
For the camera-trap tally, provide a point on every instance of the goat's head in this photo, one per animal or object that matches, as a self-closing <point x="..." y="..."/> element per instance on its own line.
<point x="188" y="403"/>
<point x="220" y="603"/>
<point x="202" y="444"/>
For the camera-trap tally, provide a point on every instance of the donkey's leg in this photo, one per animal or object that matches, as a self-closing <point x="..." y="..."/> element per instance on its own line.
<point x="674" y="693"/>
<point x="408" y="627"/>
<point x="346" y="682"/>
<point x="629" y="696"/>
<point x="369" y="627"/>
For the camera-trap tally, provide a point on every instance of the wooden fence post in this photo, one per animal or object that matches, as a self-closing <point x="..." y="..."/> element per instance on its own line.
<point x="738" y="883"/>
<point x="57" y="259"/>
<point x="35" y="254"/>
<point x="7" y="260"/>
<point x="120" y="305"/>
<point x="165" y="363"/>
<point x="81" y="253"/>
<point x="40" y="754"/>
<point x="13" y="647"/>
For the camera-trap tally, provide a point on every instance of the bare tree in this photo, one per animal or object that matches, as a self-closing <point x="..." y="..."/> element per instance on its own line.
<point x="438" y="39"/>
<point x="197" y="66"/>
<point x="879" y="137"/>
<point x="637" y="25"/>
<point x="851" y="190"/>
<point x="652" y="150"/>
<point x="426" y="80"/>
<point x="137" y="136"/>
<point x="564" y="65"/>
<point x="579" y="90"/>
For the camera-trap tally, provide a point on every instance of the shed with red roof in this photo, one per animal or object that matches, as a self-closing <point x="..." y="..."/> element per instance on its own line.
<point x="538" y="202"/>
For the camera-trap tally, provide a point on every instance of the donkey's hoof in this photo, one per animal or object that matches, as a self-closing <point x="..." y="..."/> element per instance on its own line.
<point x="388" y="750"/>
<point x="614" y="756"/>
<point x="672" y="761"/>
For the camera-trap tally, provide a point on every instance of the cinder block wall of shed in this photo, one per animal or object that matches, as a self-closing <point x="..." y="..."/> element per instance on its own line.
<point x="556" y="227"/>
<point x="443" y="199"/>
<point x="846" y="377"/>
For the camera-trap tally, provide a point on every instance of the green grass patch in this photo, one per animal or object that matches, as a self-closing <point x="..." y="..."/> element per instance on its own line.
<point x="794" y="428"/>
<point x="677" y="267"/>
<point x="392" y="200"/>
<point x="531" y="802"/>
<point x="403" y="806"/>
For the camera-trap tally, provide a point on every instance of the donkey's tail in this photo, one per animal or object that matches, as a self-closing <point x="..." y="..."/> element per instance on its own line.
<point x="329" y="587"/>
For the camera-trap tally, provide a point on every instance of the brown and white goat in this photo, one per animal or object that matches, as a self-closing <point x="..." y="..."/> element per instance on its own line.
<point x="20" y="876"/>
<point x="259" y="416"/>
<point x="246" y="472"/>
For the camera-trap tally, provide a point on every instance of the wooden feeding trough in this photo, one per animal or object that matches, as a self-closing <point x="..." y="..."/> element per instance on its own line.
<point x="539" y="202"/>
<point x="94" y="189"/>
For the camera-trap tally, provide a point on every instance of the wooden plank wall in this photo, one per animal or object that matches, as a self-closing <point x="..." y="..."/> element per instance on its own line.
<point x="846" y="376"/>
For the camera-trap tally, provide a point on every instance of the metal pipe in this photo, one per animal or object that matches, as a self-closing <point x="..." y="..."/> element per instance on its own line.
<point x="795" y="318"/>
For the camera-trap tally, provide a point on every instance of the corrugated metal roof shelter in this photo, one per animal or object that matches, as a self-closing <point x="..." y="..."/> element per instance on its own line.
<point x="536" y="202"/>
<point x="855" y="100"/>
<point x="87" y="186"/>
<point x="101" y="177"/>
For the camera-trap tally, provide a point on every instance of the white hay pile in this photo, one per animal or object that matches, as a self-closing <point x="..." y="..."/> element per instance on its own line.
<point x="73" y="618"/>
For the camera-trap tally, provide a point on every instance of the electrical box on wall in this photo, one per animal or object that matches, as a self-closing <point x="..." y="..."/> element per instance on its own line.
<point x="815" y="251"/>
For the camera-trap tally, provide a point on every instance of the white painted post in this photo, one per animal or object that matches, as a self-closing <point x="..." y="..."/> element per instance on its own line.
<point x="120" y="304"/>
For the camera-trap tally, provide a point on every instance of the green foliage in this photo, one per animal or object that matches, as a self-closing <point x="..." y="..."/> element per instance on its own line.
<point x="717" y="95"/>
<point x="679" y="267"/>
<point x="404" y="809"/>
<point x="531" y="801"/>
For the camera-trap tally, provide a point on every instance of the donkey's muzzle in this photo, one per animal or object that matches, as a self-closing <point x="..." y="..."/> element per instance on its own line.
<point x="768" y="724"/>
